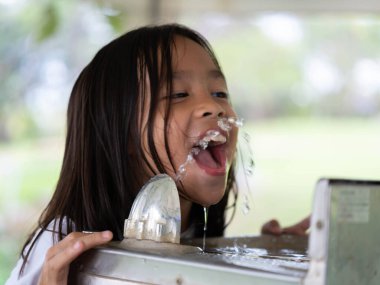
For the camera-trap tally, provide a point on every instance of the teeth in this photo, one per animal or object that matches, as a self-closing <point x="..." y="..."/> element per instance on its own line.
<point x="219" y="138"/>
<point x="212" y="136"/>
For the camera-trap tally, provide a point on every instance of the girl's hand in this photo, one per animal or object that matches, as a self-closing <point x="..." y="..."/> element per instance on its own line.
<point x="273" y="228"/>
<point x="56" y="266"/>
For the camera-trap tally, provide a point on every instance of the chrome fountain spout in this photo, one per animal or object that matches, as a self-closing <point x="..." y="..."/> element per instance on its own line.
<point x="156" y="212"/>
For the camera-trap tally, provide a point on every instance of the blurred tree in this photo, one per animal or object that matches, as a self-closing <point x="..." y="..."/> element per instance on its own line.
<point x="49" y="22"/>
<point x="34" y="32"/>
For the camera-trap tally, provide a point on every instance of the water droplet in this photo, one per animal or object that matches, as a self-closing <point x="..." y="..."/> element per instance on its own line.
<point x="246" y="209"/>
<point x="205" y="211"/>
<point x="239" y="122"/>
<point x="195" y="150"/>
<point x="247" y="137"/>
<point x="224" y="124"/>
<point x="190" y="158"/>
<point x="247" y="164"/>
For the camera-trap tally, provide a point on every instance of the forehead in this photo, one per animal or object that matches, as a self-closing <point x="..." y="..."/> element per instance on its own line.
<point x="189" y="59"/>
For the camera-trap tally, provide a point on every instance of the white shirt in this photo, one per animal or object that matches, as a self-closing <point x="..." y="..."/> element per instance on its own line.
<point x="32" y="269"/>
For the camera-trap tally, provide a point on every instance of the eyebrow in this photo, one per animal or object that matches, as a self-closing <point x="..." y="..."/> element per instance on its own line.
<point x="182" y="74"/>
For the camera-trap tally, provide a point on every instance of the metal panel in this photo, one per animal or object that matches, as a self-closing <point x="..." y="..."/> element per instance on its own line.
<point x="354" y="239"/>
<point x="344" y="245"/>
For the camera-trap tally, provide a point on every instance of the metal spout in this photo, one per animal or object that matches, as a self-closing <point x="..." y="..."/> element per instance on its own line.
<point x="156" y="212"/>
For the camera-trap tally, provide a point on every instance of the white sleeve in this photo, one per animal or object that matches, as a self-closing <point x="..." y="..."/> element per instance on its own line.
<point x="35" y="261"/>
<point x="32" y="269"/>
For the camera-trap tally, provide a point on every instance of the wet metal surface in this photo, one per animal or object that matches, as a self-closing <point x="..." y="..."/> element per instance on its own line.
<point x="258" y="260"/>
<point x="282" y="255"/>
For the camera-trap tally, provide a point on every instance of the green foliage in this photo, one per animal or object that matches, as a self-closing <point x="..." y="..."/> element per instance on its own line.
<point x="29" y="30"/>
<point x="116" y="22"/>
<point x="49" y="22"/>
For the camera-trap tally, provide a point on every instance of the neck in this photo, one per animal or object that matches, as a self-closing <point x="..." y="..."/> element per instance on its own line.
<point x="185" y="213"/>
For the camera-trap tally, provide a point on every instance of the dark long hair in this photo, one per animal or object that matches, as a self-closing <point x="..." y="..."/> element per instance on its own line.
<point x="100" y="176"/>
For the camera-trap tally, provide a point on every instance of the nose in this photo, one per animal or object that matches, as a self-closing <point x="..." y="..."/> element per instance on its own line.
<point x="208" y="106"/>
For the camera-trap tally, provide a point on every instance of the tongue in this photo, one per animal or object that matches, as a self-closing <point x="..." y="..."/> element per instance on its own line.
<point x="205" y="158"/>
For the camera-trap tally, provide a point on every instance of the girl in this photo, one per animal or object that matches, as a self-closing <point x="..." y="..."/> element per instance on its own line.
<point x="139" y="107"/>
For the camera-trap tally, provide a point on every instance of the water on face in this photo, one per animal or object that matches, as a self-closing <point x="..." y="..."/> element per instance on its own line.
<point x="245" y="156"/>
<point x="226" y="124"/>
<point x="202" y="144"/>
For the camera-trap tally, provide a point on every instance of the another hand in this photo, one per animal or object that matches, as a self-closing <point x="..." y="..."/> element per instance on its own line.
<point x="56" y="266"/>
<point x="273" y="227"/>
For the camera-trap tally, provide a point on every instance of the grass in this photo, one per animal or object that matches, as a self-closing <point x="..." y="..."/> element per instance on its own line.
<point x="290" y="155"/>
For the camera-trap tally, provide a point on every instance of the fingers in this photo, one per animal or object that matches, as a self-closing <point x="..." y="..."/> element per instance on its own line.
<point x="272" y="228"/>
<point x="88" y="240"/>
<point x="294" y="230"/>
<point x="59" y="257"/>
<point x="305" y="223"/>
<point x="75" y="244"/>
<point x="299" y="228"/>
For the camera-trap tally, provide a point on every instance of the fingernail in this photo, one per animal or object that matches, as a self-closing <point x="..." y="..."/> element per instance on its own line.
<point x="106" y="235"/>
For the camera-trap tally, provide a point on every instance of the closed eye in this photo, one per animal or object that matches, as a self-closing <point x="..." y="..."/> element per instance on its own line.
<point x="220" y="94"/>
<point x="179" y="95"/>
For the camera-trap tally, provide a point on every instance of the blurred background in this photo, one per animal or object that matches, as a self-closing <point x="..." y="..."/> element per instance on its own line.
<point x="305" y="76"/>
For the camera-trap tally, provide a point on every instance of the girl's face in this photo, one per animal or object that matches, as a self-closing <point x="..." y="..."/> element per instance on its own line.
<point x="199" y="98"/>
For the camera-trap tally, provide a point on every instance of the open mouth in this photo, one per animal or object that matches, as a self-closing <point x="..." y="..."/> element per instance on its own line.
<point x="209" y="153"/>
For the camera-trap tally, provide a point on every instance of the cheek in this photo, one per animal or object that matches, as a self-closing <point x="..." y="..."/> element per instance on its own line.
<point x="159" y="139"/>
<point x="175" y="141"/>
<point x="177" y="137"/>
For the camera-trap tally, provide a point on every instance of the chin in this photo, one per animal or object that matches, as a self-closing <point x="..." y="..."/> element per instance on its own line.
<point x="204" y="189"/>
<point x="209" y="196"/>
<point x="211" y="202"/>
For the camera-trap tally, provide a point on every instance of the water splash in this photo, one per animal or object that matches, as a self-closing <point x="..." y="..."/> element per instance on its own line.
<point x="246" y="208"/>
<point x="225" y="124"/>
<point x="245" y="155"/>
<point x="247" y="164"/>
<point x="181" y="172"/>
<point x="211" y="135"/>
<point x="201" y="145"/>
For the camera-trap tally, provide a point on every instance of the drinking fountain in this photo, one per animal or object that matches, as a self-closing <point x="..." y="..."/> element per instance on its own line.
<point x="342" y="248"/>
